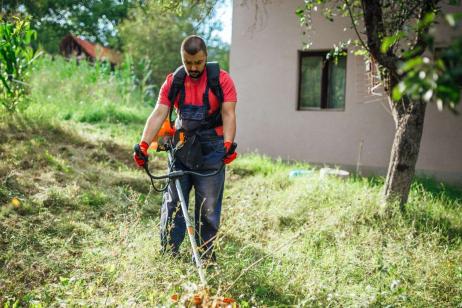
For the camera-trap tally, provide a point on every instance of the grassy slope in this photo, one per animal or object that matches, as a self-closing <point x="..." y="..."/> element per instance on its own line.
<point x="86" y="229"/>
<point x="86" y="232"/>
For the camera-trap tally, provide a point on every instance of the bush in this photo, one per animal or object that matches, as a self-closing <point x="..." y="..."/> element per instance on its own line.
<point x="16" y="55"/>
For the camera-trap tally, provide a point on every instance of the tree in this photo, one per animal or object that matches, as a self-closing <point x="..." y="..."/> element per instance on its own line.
<point x="152" y="35"/>
<point x="396" y="34"/>
<point x="53" y="19"/>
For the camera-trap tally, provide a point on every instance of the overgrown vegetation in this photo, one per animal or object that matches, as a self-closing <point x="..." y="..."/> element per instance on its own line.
<point x="16" y="57"/>
<point x="79" y="224"/>
<point x="53" y="19"/>
<point x="89" y="94"/>
<point x="148" y="32"/>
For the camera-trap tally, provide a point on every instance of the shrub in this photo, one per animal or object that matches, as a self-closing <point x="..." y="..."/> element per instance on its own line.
<point x="16" y="55"/>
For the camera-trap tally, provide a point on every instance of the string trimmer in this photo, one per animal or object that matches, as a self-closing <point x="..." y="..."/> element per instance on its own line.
<point x="202" y="298"/>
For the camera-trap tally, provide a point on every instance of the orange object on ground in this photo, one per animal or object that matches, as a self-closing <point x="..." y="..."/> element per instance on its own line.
<point x="203" y="299"/>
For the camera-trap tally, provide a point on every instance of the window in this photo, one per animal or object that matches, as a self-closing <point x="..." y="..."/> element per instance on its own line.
<point x="321" y="81"/>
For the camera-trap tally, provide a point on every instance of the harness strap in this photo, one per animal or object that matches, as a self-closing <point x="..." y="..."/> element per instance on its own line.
<point x="213" y="84"/>
<point x="177" y="87"/>
<point x="213" y="81"/>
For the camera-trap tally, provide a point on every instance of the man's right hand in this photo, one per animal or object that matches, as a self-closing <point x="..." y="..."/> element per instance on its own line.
<point x="141" y="157"/>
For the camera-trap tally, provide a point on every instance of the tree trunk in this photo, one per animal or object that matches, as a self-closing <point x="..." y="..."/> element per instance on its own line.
<point x="404" y="152"/>
<point x="408" y="115"/>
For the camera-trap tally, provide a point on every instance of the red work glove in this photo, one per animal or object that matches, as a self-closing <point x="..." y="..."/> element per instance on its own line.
<point x="230" y="153"/>
<point x="140" y="161"/>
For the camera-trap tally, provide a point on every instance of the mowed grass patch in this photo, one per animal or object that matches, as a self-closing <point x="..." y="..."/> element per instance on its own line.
<point x="62" y="197"/>
<point x="88" y="233"/>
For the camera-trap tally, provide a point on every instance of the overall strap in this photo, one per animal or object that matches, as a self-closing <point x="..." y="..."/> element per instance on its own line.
<point x="213" y="80"/>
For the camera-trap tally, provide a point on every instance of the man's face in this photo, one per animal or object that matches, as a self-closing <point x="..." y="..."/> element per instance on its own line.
<point x="194" y="64"/>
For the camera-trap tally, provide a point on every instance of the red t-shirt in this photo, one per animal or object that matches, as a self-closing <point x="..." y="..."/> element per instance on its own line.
<point x="194" y="91"/>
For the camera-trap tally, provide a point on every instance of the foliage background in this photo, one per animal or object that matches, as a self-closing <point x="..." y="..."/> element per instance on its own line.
<point x="152" y="36"/>
<point x="148" y="32"/>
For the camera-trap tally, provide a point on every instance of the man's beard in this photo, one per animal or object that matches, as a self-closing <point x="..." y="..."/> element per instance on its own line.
<point x="195" y="74"/>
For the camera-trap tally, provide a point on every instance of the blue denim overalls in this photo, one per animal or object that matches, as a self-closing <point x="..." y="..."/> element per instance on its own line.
<point x="208" y="190"/>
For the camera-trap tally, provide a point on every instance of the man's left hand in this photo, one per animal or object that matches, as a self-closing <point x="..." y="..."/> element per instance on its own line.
<point x="231" y="154"/>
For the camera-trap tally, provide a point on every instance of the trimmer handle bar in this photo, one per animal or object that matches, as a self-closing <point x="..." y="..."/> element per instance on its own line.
<point x="173" y="174"/>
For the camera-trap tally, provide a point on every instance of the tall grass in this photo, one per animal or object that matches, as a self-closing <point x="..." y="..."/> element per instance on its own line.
<point x="328" y="242"/>
<point x="82" y="92"/>
<point x="303" y="241"/>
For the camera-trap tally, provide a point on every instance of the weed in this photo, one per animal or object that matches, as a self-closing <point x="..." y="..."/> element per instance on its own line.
<point x="93" y="199"/>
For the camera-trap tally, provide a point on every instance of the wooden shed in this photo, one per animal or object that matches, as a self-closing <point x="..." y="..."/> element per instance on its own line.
<point x="73" y="46"/>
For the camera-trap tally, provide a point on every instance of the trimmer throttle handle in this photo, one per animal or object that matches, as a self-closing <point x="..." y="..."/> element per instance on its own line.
<point x="232" y="148"/>
<point x="140" y="153"/>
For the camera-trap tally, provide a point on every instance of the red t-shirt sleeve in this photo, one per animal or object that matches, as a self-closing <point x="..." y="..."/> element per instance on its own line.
<point x="227" y="85"/>
<point x="163" y="93"/>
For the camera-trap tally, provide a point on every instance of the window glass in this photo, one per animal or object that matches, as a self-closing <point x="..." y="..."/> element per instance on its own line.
<point x="336" y="85"/>
<point x="310" y="87"/>
<point x="322" y="81"/>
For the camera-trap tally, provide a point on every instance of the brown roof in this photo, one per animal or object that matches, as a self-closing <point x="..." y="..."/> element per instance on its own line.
<point x="95" y="51"/>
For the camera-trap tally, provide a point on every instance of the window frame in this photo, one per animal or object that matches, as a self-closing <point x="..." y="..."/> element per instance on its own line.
<point x="324" y="80"/>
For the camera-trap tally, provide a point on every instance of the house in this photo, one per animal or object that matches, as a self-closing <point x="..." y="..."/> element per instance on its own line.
<point x="73" y="46"/>
<point x="291" y="108"/>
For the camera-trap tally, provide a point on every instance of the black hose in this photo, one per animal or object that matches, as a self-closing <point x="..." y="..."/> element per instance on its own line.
<point x="173" y="174"/>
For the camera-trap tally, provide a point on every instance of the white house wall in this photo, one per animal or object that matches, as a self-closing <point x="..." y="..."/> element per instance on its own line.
<point x="264" y="65"/>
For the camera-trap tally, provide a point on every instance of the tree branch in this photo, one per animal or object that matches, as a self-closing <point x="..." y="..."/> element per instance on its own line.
<point x="354" y="26"/>
<point x="428" y="7"/>
<point x="373" y="20"/>
<point x="207" y="14"/>
<point x="408" y="14"/>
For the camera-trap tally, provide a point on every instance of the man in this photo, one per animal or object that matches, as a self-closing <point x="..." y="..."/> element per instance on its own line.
<point x="206" y="114"/>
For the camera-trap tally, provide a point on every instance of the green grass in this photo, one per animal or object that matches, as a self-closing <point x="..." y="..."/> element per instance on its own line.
<point x="86" y="229"/>
<point x="81" y="93"/>
<point x="301" y="241"/>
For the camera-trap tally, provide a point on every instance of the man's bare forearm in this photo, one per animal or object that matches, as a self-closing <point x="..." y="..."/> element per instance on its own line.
<point x="154" y="123"/>
<point x="228" y="114"/>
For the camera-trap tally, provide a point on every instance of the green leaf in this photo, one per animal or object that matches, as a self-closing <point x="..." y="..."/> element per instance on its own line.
<point x="389" y="41"/>
<point x="398" y="91"/>
<point x="15" y="57"/>
<point x="429" y="18"/>
<point x="360" y="52"/>
<point x="450" y="19"/>
<point x="411" y="52"/>
<point x="5" y="84"/>
<point x="412" y="63"/>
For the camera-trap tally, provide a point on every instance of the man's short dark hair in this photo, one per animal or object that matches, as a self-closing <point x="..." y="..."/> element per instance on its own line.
<point x="193" y="44"/>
